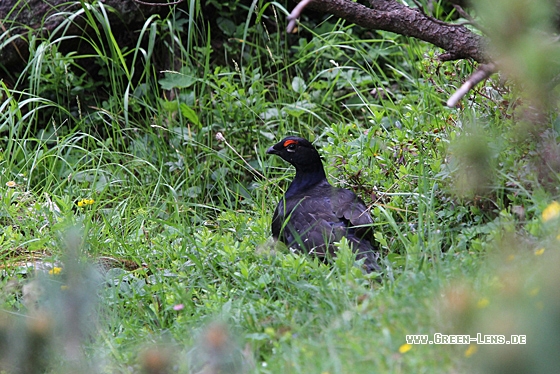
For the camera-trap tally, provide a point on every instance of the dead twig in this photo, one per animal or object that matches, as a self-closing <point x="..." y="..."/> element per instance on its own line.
<point x="296" y="13"/>
<point x="483" y="72"/>
<point x="159" y="4"/>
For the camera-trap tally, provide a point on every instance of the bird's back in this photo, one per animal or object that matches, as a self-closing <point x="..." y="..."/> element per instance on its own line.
<point x="312" y="220"/>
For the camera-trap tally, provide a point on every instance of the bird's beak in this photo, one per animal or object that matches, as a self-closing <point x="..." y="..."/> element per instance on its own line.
<point x="271" y="151"/>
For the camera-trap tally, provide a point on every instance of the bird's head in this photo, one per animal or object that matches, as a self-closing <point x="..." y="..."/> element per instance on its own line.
<point x="298" y="152"/>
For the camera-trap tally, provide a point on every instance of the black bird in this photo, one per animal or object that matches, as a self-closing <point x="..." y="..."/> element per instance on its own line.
<point x="313" y="214"/>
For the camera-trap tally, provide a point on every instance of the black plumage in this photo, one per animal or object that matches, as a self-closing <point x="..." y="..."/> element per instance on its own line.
<point x="313" y="214"/>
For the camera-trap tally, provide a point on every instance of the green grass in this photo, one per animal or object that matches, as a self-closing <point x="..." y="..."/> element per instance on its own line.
<point x="183" y="219"/>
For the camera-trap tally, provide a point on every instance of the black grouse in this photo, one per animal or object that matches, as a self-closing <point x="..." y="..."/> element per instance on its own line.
<point x="313" y="214"/>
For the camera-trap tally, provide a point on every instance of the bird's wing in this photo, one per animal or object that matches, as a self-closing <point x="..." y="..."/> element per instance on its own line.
<point x="311" y="224"/>
<point x="350" y="207"/>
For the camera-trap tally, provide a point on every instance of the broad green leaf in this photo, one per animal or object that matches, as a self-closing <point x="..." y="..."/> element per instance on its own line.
<point x="190" y="114"/>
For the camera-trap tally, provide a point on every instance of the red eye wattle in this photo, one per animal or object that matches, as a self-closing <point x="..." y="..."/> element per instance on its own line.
<point x="288" y="142"/>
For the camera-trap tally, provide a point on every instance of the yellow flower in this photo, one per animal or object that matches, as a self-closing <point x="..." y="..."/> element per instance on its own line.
<point x="11" y="184"/>
<point x="552" y="211"/>
<point x="471" y="350"/>
<point x="55" y="271"/>
<point x="482" y="303"/>
<point x="539" y="251"/>
<point x="85" y="202"/>
<point x="405" y="348"/>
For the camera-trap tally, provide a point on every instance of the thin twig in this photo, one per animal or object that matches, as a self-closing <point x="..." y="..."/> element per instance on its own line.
<point x="470" y="20"/>
<point x="420" y="8"/>
<point x="296" y="13"/>
<point x="483" y="72"/>
<point x="159" y="4"/>
<point x="464" y="14"/>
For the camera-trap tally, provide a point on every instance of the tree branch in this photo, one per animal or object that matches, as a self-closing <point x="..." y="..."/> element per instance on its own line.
<point x="457" y="41"/>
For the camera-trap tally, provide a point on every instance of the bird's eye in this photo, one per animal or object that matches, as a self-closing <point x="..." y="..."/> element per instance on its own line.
<point x="291" y="147"/>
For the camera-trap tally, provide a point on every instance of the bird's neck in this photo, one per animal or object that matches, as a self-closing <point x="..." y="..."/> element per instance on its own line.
<point x="305" y="179"/>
